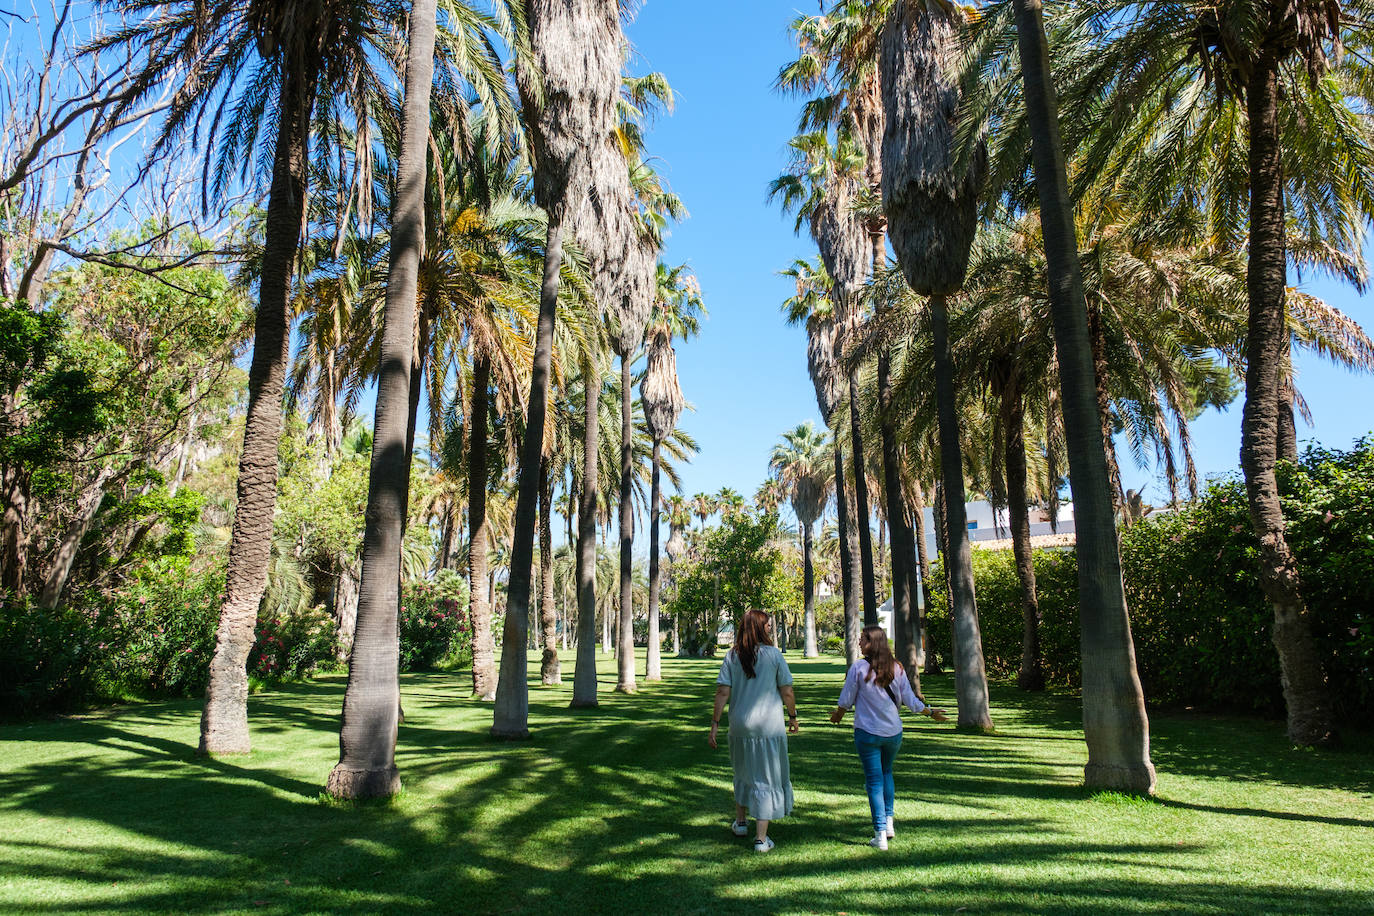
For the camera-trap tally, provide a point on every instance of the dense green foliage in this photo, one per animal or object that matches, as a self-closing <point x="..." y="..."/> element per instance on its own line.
<point x="1200" y="622"/>
<point x="434" y="624"/>
<point x="153" y="636"/>
<point x="734" y="567"/>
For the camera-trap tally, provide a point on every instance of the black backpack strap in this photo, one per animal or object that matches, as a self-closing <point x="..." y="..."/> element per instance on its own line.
<point x="893" y="696"/>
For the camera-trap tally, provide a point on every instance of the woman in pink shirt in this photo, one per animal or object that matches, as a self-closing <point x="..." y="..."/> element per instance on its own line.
<point x="876" y="688"/>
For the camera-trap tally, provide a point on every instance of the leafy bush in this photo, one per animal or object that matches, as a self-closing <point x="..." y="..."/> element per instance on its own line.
<point x="157" y="631"/>
<point x="434" y="625"/>
<point x="45" y="657"/>
<point x="1200" y="622"/>
<point x="293" y="646"/>
<point x="1000" y="614"/>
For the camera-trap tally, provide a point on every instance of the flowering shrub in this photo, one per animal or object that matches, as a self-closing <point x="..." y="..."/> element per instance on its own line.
<point x="156" y="632"/>
<point x="1200" y="623"/>
<point x="292" y="645"/>
<point x="434" y="627"/>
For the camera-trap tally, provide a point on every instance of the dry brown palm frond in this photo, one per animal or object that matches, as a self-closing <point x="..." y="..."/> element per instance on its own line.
<point x="931" y="207"/>
<point x="660" y="392"/>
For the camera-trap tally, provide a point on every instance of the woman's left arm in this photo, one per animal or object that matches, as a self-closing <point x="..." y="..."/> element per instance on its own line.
<point x="789" y="699"/>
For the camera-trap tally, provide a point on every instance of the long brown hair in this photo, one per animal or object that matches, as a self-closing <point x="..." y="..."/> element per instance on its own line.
<point x="752" y="633"/>
<point x="882" y="667"/>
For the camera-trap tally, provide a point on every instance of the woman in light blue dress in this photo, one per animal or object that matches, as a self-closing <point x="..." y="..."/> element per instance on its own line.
<point x="756" y="683"/>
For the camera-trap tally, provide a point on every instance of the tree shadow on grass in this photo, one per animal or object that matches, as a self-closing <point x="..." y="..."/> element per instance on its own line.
<point x="620" y="809"/>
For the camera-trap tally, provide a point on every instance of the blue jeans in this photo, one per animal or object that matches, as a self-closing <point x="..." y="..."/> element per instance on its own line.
<point x="876" y="754"/>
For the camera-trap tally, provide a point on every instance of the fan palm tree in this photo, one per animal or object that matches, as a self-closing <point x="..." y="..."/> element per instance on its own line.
<point x="677" y="313"/>
<point x="931" y="206"/>
<point x="825" y="186"/>
<point x="811" y="306"/>
<point x="799" y="463"/>
<point x="569" y="82"/>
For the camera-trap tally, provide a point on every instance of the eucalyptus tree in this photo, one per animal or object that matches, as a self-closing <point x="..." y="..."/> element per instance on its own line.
<point x="258" y="76"/>
<point x="678" y="311"/>
<point x="811" y="306"/>
<point x="569" y="82"/>
<point x="931" y="202"/>
<point x="799" y="463"/>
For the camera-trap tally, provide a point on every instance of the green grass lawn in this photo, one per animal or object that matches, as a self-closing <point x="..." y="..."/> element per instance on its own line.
<point x="623" y="809"/>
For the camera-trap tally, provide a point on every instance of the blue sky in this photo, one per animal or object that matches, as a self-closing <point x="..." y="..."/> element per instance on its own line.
<point x="746" y="373"/>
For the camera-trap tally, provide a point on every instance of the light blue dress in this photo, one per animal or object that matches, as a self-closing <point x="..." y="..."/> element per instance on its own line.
<point x="758" y="733"/>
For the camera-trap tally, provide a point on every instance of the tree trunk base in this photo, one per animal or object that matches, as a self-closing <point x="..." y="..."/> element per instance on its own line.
<point x="224" y="722"/>
<point x="622" y="688"/>
<point x="583" y="704"/>
<point x="346" y="782"/>
<point x="510" y="734"/>
<point x="975" y="728"/>
<point x="1031" y="681"/>
<point x="1133" y="780"/>
<point x="550" y="671"/>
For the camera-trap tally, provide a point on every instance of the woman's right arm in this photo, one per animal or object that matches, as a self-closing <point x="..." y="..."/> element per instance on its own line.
<point x="848" y="694"/>
<point x="722" y="695"/>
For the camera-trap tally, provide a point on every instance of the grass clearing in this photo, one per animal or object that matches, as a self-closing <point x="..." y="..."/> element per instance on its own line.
<point x="623" y="809"/>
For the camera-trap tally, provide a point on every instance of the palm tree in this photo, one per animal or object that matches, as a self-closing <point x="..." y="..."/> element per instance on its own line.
<point x="1272" y="76"/>
<point x="372" y="700"/>
<point x="569" y="82"/>
<point x="313" y="64"/>
<point x="677" y="313"/>
<point x="799" y="464"/>
<point x="703" y="507"/>
<point x="584" y="676"/>
<point x="1114" y="720"/>
<point x="931" y="206"/>
<point x="811" y="306"/>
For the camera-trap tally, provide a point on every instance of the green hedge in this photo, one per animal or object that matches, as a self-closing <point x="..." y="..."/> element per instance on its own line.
<point x="1200" y="622"/>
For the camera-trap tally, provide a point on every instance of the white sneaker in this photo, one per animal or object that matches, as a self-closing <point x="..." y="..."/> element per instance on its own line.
<point x="739" y="829"/>
<point x="879" y="841"/>
<point x="764" y="845"/>
<point x="891" y="828"/>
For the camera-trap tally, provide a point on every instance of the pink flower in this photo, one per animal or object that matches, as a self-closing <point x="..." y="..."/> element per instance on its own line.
<point x="1330" y="516"/>
<point x="1237" y="529"/>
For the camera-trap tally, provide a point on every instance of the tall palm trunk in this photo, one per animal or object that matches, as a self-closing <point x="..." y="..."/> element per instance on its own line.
<point x="810" y="648"/>
<point x="1304" y="681"/>
<point x="1032" y="675"/>
<point x="367" y="735"/>
<point x="550" y="671"/>
<point x="1098" y="339"/>
<point x="904" y="624"/>
<point x="1114" y="720"/>
<point x="970" y="676"/>
<point x="625" y="644"/>
<point x="511" y="717"/>
<point x="479" y="603"/>
<point x="929" y="661"/>
<point x="861" y="503"/>
<point x="653" y="663"/>
<point x="584" y="674"/>
<point x="849" y="561"/>
<point x="224" y="722"/>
